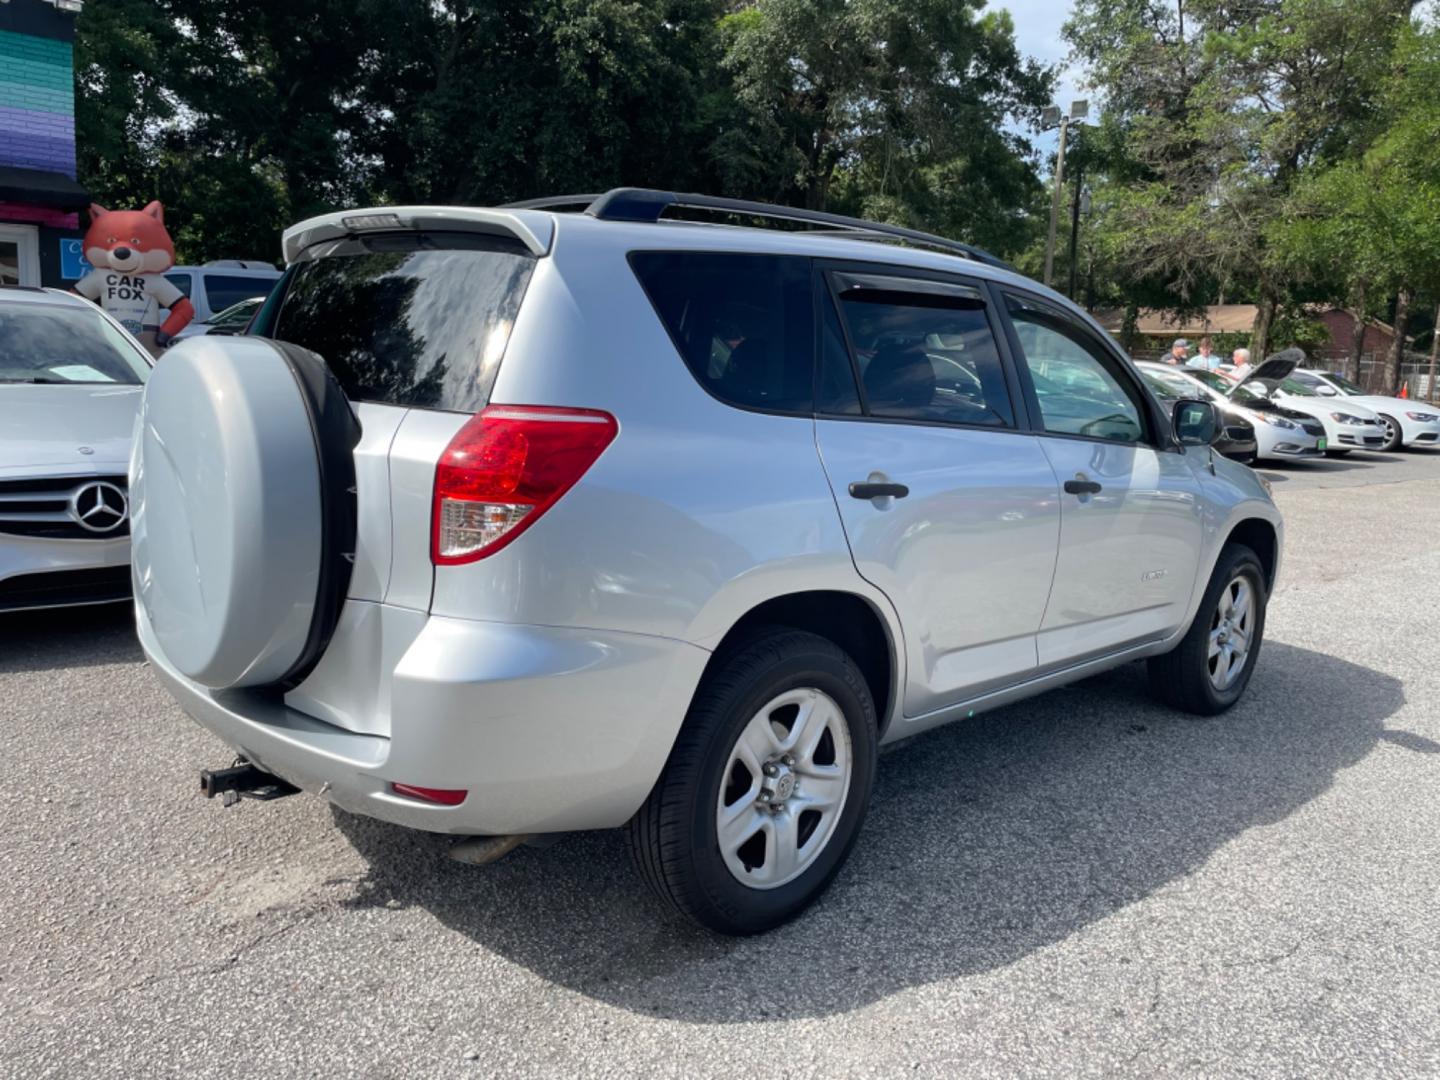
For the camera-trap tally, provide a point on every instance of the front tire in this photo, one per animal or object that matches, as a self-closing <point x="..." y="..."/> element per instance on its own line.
<point x="765" y="788"/>
<point x="1394" y="436"/>
<point x="1208" y="671"/>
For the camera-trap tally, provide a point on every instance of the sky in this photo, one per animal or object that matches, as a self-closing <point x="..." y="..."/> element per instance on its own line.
<point x="1037" y="32"/>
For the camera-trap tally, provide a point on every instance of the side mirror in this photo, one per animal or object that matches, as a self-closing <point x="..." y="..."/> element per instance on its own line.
<point x="1195" y="423"/>
<point x="1326" y="390"/>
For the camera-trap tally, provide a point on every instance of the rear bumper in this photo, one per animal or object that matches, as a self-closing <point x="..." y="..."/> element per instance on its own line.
<point x="548" y="729"/>
<point x="38" y="572"/>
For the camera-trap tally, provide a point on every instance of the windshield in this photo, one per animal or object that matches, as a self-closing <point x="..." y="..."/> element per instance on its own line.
<point x="1169" y="385"/>
<point x="55" y="343"/>
<point x="416" y="319"/>
<point x="1212" y="379"/>
<point x="1344" y="384"/>
<point x="1250" y="394"/>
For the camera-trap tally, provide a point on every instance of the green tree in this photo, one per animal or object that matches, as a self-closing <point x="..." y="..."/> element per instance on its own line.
<point x="891" y="108"/>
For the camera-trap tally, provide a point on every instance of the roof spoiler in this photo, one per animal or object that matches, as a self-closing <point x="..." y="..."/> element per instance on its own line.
<point x="533" y="229"/>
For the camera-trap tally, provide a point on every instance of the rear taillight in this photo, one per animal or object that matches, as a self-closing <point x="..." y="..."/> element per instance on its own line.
<point x="506" y="467"/>
<point x="439" y="796"/>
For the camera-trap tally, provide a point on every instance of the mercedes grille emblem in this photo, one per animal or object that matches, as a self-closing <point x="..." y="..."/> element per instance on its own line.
<point x="99" y="507"/>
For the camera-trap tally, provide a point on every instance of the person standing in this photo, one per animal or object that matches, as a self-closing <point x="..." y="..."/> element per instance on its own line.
<point x="1240" y="359"/>
<point x="1178" y="352"/>
<point x="1205" y="358"/>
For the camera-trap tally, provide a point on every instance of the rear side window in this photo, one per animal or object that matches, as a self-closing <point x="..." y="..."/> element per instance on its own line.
<point x="226" y="290"/>
<point x="744" y="324"/>
<point x="927" y="357"/>
<point x="180" y="281"/>
<point x="418" y="319"/>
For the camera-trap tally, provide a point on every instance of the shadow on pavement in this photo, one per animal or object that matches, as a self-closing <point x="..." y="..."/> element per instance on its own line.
<point x="68" y="638"/>
<point x="986" y="841"/>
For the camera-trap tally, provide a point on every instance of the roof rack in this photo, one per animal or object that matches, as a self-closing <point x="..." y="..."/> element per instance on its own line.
<point x="645" y="204"/>
<point x="551" y="202"/>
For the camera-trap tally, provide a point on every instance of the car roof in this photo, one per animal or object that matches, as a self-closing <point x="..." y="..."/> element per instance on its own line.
<point x="228" y="271"/>
<point x="29" y="294"/>
<point x="542" y="231"/>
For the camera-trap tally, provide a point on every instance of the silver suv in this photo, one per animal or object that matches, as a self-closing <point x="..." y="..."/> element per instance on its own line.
<point x="518" y="521"/>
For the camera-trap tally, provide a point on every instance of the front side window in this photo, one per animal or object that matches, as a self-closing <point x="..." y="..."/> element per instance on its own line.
<point x="1075" y="382"/>
<point x="181" y="282"/>
<point x="48" y="343"/>
<point x="417" y="319"/>
<point x="744" y="324"/>
<point x="927" y="356"/>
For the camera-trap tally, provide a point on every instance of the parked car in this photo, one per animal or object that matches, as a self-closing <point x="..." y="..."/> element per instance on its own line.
<point x="223" y="283"/>
<point x="1406" y="423"/>
<point x="1348" y="426"/>
<point x="1281" y="433"/>
<point x="233" y="320"/>
<point x="71" y="379"/>
<point x="538" y="521"/>
<point x="1238" y="440"/>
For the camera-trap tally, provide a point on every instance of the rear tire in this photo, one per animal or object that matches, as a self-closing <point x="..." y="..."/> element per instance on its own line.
<point x="1203" y="674"/>
<point x="735" y="730"/>
<point x="1394" y="436"/>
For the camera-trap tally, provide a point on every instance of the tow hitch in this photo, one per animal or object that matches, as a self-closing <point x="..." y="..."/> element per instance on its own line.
<point x="243" y="780"/>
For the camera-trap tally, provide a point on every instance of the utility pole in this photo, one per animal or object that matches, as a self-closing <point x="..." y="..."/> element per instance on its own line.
<point x="1075" y="224"/>
<point x="1055" y="202"/>
<point x="1049" y="119"/>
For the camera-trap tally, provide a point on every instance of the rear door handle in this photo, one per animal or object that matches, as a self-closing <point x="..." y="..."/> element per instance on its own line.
<point x="870" y="489"/>
<point x="1081" y="487"/>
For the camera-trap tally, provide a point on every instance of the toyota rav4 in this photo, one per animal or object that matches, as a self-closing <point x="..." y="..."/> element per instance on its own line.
<point x="524" y="520"/>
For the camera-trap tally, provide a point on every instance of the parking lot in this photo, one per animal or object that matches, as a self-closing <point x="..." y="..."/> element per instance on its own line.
<point x="1081" y="885"/>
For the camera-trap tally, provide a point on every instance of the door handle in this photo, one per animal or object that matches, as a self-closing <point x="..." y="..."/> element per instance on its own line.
<point x="870" y="489"/>
<point x="1081" y="487"/>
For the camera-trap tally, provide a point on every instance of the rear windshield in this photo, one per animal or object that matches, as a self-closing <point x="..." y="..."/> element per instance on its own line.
<point x="48" y="343"/>
<point x="418" y="319"/>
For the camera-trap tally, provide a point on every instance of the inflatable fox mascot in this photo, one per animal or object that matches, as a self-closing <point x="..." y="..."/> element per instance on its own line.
<point x="130" y="252"/>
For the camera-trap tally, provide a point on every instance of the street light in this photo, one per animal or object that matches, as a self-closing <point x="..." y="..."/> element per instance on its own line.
<point x="1051" y="117"/>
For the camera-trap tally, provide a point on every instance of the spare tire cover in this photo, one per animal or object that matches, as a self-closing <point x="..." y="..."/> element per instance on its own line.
<point x="228" y="531"/>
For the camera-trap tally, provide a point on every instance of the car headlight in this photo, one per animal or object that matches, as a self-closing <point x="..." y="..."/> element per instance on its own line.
<point x="1345" y="418"/>
<point x="1278" y="421"/>
<point x="1424" y="417"/>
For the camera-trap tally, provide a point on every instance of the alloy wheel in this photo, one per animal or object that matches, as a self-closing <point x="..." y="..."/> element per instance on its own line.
<point x="1230" y="632"/>
<point x="784" y="788"/>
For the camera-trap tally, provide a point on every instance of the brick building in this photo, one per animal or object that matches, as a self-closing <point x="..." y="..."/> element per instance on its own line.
<point x="39" y="197"/>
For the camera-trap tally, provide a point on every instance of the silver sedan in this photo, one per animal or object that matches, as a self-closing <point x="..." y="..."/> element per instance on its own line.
<point x="70" y="384"/>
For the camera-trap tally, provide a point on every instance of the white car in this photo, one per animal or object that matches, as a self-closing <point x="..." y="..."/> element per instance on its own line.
<point x="233" y="320"/>
<point x="1280" y="432"/>
<point x="1406" y="423"/>
<point x="71" y="381"/>
<point x="1348" y="426"/>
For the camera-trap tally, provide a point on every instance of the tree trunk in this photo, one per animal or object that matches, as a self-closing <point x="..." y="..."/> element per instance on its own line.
<point x="1397" y="347"/>
<point x="1128" y="325"/>
<point x="1434" y="354"/>
<point x="1260" y="330"/>
<point x="1357" y="332"/>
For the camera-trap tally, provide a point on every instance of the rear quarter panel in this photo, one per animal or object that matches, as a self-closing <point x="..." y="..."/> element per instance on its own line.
<point x="695" y="513"/>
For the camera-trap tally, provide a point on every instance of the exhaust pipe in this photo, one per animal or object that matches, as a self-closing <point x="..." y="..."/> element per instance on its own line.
<point x="479" y="850"/>
<point x="243" y="780"/>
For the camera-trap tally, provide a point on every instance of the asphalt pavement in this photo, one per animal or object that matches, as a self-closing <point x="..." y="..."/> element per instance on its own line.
<point x="1085" y="884"/>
